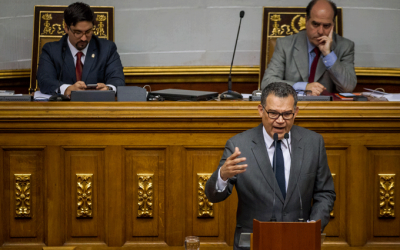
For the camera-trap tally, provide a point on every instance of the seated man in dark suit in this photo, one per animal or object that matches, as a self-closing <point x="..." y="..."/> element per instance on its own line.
<point x="316" y="59"/>
<point x="79" y="58"/>
<point x="301" y="168"/>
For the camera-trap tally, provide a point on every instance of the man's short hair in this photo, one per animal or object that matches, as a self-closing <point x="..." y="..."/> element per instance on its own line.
<point x="78" y="12"/>
<point x="278" y="89"/>
<point x="311" y="5"/>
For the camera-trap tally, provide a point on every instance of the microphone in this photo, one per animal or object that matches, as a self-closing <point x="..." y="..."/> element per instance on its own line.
<point x="273" y="217"/>
<point x="229" y="94"/>
<point x="58" y="96"/>
<point x="286" y="136"/>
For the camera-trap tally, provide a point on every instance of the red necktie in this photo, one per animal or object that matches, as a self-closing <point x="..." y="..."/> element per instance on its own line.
<point x="314" y="65"/>
<point x="79" y="66"/>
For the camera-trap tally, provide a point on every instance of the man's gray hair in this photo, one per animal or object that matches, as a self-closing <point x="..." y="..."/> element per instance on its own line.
<point x="279" y="89"/>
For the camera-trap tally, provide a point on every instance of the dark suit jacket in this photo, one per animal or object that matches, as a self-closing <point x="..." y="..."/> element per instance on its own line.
<point x="255" y="187"/>
<point x="102" y="64"/>
<point x="289" y="64"/>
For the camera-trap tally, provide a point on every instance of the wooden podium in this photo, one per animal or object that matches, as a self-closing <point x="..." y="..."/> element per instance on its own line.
<point x="286" y="235"/>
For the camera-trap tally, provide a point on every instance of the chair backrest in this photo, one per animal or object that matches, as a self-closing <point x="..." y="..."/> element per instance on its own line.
<point x="280" y="22"/>
<point x="48" y="26"/>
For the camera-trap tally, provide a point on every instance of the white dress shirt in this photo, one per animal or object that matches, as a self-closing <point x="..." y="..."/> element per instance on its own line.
<point x="74" y="51"/>
<point x="269" y="144"/>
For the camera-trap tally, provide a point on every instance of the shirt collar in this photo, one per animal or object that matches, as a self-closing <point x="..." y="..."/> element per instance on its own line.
<point x="75" y="50"/>
<point x="269" y="141"/>
<point x="310" y="47"/>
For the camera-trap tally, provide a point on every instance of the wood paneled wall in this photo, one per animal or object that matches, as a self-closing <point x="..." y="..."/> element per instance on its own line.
<point x="208" y="78"/>
<point x="129" y="174"/>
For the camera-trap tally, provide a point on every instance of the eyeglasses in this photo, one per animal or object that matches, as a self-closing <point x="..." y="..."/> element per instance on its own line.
<point x="275" y="115"/>
<point x="304" y="92"/>
<point x="78" y="34"/>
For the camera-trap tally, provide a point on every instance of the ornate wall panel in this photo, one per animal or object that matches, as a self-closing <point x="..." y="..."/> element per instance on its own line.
<point x="23" y="178"/>
<point x="337" y="162"/>
<point x="145" y="192"/>
<point x="201" y="161"/>
<point x="385" y="163"/>
<point x="84" y="194"/>
<point x="174" y="142"/>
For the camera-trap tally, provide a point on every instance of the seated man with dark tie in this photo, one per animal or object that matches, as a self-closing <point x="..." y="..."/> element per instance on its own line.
<point x="79" y="58"/>
<point x="269" y="184"/>
<point x="316" y="59"/>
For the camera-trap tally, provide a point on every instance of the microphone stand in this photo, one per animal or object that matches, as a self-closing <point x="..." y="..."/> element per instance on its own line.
<point x="230" y="94"/>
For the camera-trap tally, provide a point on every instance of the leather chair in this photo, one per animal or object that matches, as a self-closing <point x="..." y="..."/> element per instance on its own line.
<point x="280" y="22"/>
<point x="48" y="26"/>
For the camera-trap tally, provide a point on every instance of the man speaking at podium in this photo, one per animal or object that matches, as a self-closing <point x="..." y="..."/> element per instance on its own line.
<point x="316" y="59"/>
<point x="79" y="58"/>
<point x="293" y="183"/>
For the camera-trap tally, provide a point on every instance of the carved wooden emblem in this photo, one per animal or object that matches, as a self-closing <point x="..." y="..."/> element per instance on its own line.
<point x="205" y="207"/>
<point x="145" y="195"/>
<point x="84" y="195"/>
<point x="22" y="195"/>
<point x="386" y="195"/>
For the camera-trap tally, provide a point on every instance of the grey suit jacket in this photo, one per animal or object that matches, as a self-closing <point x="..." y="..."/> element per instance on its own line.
<point x="289" y="64"/>
<point x="102" y="64"/>
<point x="255" y="188"/>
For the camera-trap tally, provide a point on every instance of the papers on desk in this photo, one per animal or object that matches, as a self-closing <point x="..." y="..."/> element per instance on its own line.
<point x="6" y="92"/>
<point x="379" y="94"/>
<point x="39" y="96"/>
<point x="393" y="97"/>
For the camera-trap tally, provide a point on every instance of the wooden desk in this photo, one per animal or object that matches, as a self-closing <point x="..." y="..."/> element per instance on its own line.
<point x="175" y="144"/>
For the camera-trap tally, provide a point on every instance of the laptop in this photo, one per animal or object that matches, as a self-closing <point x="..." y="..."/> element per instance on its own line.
<point x="185" y="95"/>
<point x="93" y="96"/>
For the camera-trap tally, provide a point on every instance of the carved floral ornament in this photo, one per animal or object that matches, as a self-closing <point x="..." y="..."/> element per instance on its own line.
<point x="22" y="195"/>
<point x="386" y="195"/>
<point x="58" y="29"/>
<point x="52" y="29"/>
<point x="205" y="207"/>
<point x="84" y="195"/>
<point x="145" y="195"/>
<point x="297" y="24"/>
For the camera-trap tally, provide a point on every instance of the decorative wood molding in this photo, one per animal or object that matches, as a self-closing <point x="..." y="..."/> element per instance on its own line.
<point x="84" y="195"/>
<point x="23" y="196"/>
<point x="204" y="70"/>
<point x="145" y="196"/>
<point x="365" y="71"/>
<point x="332" y="214"/>
<point x="205" y="208"/>
<point x="214" y="116"/>
<point x="386" y="195"/>
<point x="18" y="73"/>
<point x="189" y="70"/>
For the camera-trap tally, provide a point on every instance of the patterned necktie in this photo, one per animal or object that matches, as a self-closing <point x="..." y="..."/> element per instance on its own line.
<point x="79" y="66"/>
<point x="314" y="65"/>
<point x="280" y="168"/>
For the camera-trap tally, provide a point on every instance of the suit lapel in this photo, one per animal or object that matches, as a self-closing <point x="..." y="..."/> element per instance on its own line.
<point x="296" y="162"/>
<point x="321" y="68"/>
<point x="300" y="56"/>
<point x="69" y="61"/>
<point x="261" y="155"/>
<point x="90" y="58"/>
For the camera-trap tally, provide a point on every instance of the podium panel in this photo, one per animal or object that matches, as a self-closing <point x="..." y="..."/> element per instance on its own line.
<point x="286" y="235"/>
